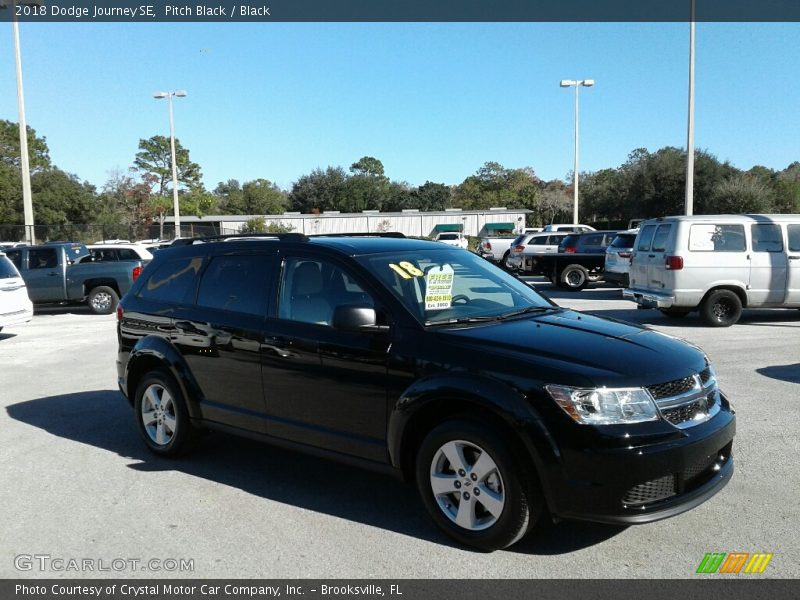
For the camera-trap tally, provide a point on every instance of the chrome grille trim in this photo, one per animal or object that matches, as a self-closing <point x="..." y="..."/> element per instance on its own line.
<point x="693" y="400"/>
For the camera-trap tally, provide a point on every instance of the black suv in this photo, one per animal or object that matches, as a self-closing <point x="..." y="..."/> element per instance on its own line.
<point x="426" y="361"/>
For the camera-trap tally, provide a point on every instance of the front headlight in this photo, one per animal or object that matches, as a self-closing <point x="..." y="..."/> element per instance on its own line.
<point x="604" y="406"/>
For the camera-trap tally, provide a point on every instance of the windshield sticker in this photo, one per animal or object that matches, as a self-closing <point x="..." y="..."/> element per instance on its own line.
<point x="406" y="270"/>
<point x="439" y="288"/>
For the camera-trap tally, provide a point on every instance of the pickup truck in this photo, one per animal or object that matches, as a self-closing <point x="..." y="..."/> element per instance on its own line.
<point x="579" y="261"/>
<point x="496" y="248"/>
<point x="52" y="275"/>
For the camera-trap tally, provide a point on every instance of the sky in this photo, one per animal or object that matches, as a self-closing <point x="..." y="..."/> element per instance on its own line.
<point x="432" y="101"/>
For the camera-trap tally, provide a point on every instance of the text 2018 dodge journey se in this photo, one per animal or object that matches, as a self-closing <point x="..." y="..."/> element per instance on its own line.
<point x="425" y="361"/>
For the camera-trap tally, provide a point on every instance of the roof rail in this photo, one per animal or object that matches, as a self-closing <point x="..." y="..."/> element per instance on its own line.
<point x="383" y="234"/>
<point x="289" y="237"/>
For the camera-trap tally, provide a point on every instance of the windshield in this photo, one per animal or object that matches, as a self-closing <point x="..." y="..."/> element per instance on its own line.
<point x="7" y="268"/>
<point x="451" y="285"/>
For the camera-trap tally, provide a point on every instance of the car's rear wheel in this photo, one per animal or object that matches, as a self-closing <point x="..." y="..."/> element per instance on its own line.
<point x="721" y="308"/>
<point x="103" y="300"/>
<point x="161" y="414"/>
<point x="473" y="487"/>
<point x="574" y="277"/>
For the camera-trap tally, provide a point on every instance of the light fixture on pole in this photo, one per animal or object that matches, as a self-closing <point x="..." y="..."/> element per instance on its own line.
<point x="176" y="207"/>
<point x="576" y="83"/>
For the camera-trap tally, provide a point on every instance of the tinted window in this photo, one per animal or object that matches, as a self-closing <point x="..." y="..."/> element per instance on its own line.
<point x="42" y="258"/>
<point x="7" y="269"/>
<point x="538" y="241"/>
<point x="767" y="237"/>
<point x="570" y="240"/>
<point x="173" y="281"/>
<point x="311" y="289"/>
<point x="794" y="237"/>
<point x="660" y="238"/>
<point x="15" y="256"/>
<point x="556" y="239"/>
<point x="237" y="283"/>
<point x="623" y="240"/>
<point x="593" y="240"/>
<point x="646" y="238"/>
<point x="716" y="238"/>
<point x="448" y="236"/>
<point x="127" y="254"/>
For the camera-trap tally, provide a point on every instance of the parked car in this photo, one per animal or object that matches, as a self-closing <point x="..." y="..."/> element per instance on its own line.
<point x="422" y="360"/>
<point x="452" y="238"/>
<point x="529" y="245"/>
<point x="52" y="275"/>
<point x="15" y="306"/>
<point x="568" y="227"/>
<point x="717" y="265"/>
<point x="496" y="248"/>
<point x="117" y="252"/>
<point x="618" y="258"/>
<point x="579" y="261"/>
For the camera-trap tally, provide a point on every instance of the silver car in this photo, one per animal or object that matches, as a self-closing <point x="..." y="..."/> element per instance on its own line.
<point x="618" y="258"/>
<point x="531" y="244"/>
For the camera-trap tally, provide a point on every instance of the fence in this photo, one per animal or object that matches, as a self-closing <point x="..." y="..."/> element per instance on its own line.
<point x="91" y="233"/>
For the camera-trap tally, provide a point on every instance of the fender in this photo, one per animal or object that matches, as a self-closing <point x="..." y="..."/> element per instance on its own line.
<point x="153" y="348"/>
<point x="493" y="395"/>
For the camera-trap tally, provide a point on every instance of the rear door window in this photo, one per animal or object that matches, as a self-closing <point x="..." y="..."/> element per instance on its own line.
<point x="716" y="238"/>
<point x="174" y="281"/>
<point x="767" y="237"/>
<point x="42" y="258"/>
<point x="646" y="238"/>
<point x="794" y="237"/>
<point x="660" y="238"/>
<point x="538" y="241"/>
<point x="237" y="283"/>
<point x="15" y="256"/>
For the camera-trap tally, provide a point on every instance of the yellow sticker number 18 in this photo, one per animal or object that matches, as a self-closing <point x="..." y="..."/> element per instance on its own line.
<point x="406" y="270"/>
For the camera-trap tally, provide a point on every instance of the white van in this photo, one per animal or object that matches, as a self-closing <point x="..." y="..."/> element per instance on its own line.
<point x="716" y="264"/>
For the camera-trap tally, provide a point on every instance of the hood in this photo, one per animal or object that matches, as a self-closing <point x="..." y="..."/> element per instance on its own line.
<point x="583" y="347"/>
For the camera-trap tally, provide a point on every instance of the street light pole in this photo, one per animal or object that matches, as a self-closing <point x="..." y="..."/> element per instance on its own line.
<point x="175" y="204"/>
<point x="576" y="84"/>
<point x="690" y="125"/>
<point x="27" y="199"/>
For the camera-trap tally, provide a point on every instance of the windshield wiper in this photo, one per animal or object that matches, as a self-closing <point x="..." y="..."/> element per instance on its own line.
<point x="463" y="320"/>
<point x="528" y="310"/>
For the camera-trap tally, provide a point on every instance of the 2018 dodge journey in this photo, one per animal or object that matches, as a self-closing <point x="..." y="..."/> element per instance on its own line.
<point x="425" y="361"/>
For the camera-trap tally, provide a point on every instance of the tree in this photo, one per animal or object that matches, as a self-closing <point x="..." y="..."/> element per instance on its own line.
<point x="259" y="225"/>
<point x="367" y="166"/>
<point x="127" y="197"/>
<point x="155" y="157"/>
<point x="230" y="197"/>
<point x="432" y="196"/>
<point x="38" y="152"/>
<point x="319" y="190"/>
<point x="262" y="197"/>
<point x="742" y="194"/>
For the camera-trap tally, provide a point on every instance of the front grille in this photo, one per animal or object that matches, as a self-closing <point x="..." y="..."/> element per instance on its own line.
<point x="650" y="491"/>
<point x="686" y="412"/>
<point x="701" y="465"/>
<point x="705" y="375"/>
<point x="672" y="388"/>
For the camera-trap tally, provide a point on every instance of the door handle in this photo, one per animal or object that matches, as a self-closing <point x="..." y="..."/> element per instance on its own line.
<point x="277" y="340"/>
<point x="52" y="274"/>
<point x="651" y="255"/>
<point x="794" y="257"/>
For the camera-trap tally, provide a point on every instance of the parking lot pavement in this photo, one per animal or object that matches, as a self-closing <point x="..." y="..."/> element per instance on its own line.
<point x="78" y="483"/>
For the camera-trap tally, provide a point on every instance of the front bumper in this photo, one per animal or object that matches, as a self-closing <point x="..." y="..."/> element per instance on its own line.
<point x="614" y="277"/>
<point x="648" y="299"/>
<point x="647" y="482"/>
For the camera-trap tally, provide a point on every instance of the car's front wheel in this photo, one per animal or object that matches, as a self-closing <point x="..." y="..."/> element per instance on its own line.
<point x="473" y="487"/>
<point x="161" y="414"/>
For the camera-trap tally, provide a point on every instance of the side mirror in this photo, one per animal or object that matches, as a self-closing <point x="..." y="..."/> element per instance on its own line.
<point x="350" y="317"/>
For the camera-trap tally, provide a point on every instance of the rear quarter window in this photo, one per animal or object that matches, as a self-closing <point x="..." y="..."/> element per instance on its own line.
<point x="660" y="238"/>
<point x="237" y="283"/>
<point x="767" y="237"/>
<point x="716" y="238"/>
<point x="173" y="281"/>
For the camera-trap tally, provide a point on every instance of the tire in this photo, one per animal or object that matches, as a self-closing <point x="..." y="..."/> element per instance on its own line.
<point x="504" y="261"/>
<point x="161" y="415"/>
<point x="721" y="308"/>
<point x="674" y="313"/>
<point x="574" y="277"/>
<point x="515" y="505"/>
<point x="103" y="300"/>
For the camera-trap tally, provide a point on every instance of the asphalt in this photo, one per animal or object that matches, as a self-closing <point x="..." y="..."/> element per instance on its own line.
<point x="77" y="482"/>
